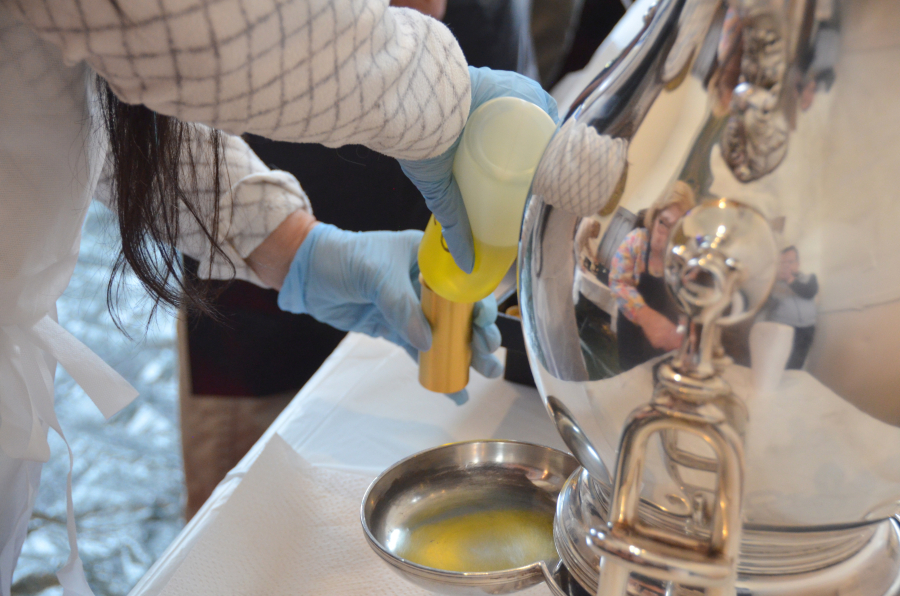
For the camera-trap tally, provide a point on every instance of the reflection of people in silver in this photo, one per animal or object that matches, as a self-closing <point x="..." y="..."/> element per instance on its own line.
<point x="594" y="303"/>
<point x="647" y="314"/>
<point x="793" y="303"/>
<point x="587" y="239"/>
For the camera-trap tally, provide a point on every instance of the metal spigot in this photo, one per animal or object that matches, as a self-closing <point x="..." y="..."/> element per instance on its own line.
<point x="720" y="266"/>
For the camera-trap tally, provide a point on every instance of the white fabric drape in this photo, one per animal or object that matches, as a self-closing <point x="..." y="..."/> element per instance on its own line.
<point x="334" y="72"/>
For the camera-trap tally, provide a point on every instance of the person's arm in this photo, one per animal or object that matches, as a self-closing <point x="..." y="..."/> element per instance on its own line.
<point x="622" y="277"/>
<point x="271" y="260"/>
<point x="805" y="286"/>
<point x="659" y="331"/>
<point x="263" y="215"/>
<point x="334" y="72"/>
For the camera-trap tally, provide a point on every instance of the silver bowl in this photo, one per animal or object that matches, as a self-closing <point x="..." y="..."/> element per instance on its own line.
<point x="469" y="518"/>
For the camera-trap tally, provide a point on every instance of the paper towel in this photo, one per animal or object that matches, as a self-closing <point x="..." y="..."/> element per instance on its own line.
<point x="288" y="529"/>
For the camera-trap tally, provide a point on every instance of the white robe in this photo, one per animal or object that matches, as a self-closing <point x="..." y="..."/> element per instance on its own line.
<point x="335" y="72"/>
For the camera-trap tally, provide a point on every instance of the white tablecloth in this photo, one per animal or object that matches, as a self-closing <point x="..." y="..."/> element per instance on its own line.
<point x="362" y="412"/>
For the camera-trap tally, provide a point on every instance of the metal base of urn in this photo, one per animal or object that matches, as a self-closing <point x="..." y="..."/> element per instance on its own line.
<point x="859" y="561"/>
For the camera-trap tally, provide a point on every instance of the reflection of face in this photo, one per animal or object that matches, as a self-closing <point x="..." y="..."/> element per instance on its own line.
<point x="789" y="265"/>
<point x="662" y="225"/>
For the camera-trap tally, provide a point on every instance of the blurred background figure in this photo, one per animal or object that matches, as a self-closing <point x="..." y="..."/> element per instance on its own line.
<point x="647" y="314"/>
<point x="793" y="303"/>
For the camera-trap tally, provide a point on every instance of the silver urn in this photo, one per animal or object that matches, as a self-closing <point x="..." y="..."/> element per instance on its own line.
<point x="709" y="279"/>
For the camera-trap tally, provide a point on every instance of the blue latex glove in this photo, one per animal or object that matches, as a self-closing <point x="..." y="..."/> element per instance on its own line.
<point x="434" y="177"/>
<point x="369" y="282"/>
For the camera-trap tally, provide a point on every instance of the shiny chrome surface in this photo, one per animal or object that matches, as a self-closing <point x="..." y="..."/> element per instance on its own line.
<point x="458" y="479"/>
<point x="789" y="107"/>
<point x="720" y="264"/>
<point x="629" y="544"/>
<point x="860" y="561"/>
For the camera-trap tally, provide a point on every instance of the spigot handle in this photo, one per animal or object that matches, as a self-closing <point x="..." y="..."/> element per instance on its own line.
<point x="629" y="544"/>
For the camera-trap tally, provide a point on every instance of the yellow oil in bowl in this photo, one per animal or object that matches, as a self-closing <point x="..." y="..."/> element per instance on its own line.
<point x="478" y="541"/>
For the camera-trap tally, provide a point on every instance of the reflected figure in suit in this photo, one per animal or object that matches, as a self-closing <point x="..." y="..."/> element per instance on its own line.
<point x="793" y="303"/>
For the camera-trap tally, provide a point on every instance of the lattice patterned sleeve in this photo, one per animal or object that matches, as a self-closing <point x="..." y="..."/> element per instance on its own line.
<point x="326" y="71"/>
<point x="625" y="270"/>
<point x="254" y="201"/>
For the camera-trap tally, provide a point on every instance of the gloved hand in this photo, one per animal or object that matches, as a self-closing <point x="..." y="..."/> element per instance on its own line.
<point x="434" y="176"/>
<point x="369" y="282"/>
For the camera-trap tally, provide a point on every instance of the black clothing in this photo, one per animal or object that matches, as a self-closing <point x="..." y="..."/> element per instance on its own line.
<point x="634" y="347"/>
<point x="805" y="289"/>
<point x="803" y="338"/>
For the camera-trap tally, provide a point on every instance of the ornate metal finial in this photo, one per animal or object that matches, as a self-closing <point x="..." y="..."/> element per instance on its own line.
<point x="720" y="266"/>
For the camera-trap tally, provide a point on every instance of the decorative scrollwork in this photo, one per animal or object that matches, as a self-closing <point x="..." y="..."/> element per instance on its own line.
<point x="755" y="138"/>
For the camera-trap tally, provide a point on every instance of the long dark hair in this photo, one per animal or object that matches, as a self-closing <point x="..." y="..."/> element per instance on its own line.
<point x="155" y="178"/>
